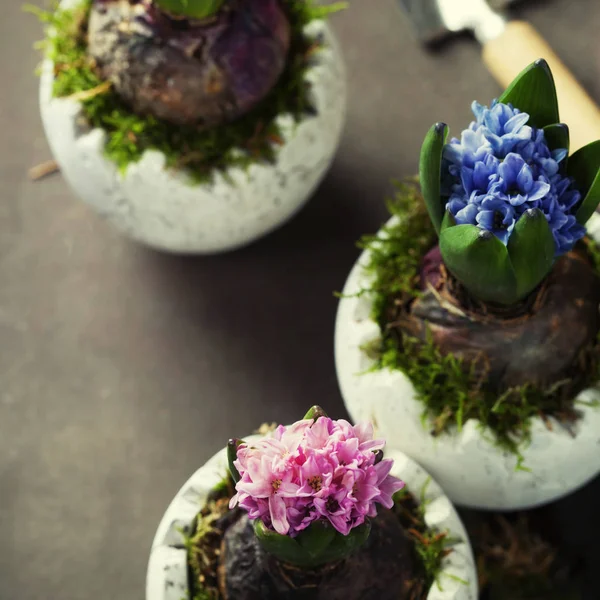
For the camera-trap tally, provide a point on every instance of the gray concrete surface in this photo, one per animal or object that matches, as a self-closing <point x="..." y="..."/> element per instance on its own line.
<point x="122" y="370"/>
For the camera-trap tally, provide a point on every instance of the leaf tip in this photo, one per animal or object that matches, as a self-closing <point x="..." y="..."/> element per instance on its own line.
<point x="440" y="128"/>
<point x="542" y="63"/>
<point x="232" y="447"/>
<point x="533" y="213"/>
<point x="315" y="412"/>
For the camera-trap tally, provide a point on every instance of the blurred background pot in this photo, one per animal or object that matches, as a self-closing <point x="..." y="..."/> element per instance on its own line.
<point x="472" y="470"/>
<point x="163" y="209"/>
<point x="167" y="576"/>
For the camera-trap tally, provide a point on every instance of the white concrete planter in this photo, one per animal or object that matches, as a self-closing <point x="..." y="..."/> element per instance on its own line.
<point x="167" y="576"/>
<point x="160" y="208"/>
<point x="470" y="469"/>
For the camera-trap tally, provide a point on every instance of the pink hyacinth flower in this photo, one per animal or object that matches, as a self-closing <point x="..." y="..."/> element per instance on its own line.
<point x="314" y="470"/>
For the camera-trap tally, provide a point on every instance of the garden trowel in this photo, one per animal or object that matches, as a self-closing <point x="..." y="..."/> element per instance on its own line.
<point x="508" y="47"/>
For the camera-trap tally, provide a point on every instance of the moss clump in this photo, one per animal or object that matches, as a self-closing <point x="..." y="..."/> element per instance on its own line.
<point x="397" y="251"/>
<point x="430" y="545"/>
<point x="204" y="541"/>
<point x="451" y="390"/>
<point x="253" y="138"/>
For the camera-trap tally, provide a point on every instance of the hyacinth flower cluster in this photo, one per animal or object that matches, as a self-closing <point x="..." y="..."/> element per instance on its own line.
<point x="311" y="488"/>
<point x="506" y="199"/>
<point x="502" y="167"/>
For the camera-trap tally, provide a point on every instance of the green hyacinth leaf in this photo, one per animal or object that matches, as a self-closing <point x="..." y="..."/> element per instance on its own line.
<point x="531" y="248"/>
<point x="533" y="91"/>
<point x="584" y="167"/>
<point x="591" y="201"/>
<point x="317" y="545"/>
<point x="448" y="221"/>
<point x="345" y="545"/>
<point x="194" y="9"/>
<point x="430" y="172"/>
<point x="480" y="261"/>
<point x="316" y="539"/>
<point x="232" y="447"/>
<point x="557" y="137"/>
<point x="314" y="413"/>
<point x="282" y="547"/>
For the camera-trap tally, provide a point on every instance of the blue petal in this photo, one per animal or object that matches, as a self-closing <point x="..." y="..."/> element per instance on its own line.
<point x="481" y="175"/>
<point x="453" y="153"/>
<point x="467" y="215"/>
<point x="515" y="123"/>
<point x="539" y="190"/>
<point x="478" y="110"/>
<point x="495" y="140"/>
<point x="523" y="134"/>
<point x="549" y="165"/>
<point x="525" y="179"/>
<point x="558" y="220"/>
<point x="455" y="204"/>
<point x="492" y="122"/>
<point x="518" y="200"/>
<point x="471" y="140"/>
<point x="526" y="150"/>
<point x="510" y="168"/>
<point x="561" y="184"/>
<point x="560" y="154"/>
<point x="569" y="199"/>
<point x="485" y="219"/>
<point x="466" y="176"/>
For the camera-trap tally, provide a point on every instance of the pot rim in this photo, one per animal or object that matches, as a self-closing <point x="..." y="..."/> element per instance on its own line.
<point x="458" y="577"/>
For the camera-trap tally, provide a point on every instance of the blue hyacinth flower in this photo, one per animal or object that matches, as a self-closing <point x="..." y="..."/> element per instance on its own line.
<point x="505" y="198"/>
<point x="502" y="167"/>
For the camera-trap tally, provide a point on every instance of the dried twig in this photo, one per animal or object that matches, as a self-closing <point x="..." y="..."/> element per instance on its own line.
<point x="43" y="170"/>
<point x="103" y="88"/>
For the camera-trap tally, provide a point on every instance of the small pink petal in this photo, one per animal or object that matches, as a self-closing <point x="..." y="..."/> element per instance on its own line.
<point x="277" y="510"/>
<point x="340" y="523"/>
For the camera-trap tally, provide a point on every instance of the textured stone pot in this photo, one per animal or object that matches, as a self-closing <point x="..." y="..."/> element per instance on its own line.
<point x="470" y="469"/>
<point x="160" y="208"/>
<point x="167" y="576"/>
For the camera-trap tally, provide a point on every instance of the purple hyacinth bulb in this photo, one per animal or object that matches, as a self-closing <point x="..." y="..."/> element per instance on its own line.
<point x="500" y="168"/>
<point x="250" y="51"/>
<point x="191" y="72"/>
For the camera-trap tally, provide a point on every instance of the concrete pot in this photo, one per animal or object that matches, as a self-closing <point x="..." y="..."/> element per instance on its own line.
<point x="470" y="469"/>
<point x="167" y="576"/>
<point x="160" y="208"/>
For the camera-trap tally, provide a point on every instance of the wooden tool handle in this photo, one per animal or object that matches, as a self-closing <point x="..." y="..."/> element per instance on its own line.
<point x="519" y="45"/>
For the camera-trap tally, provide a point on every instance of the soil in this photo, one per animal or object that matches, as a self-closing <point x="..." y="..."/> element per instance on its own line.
<point x="548" y="340"/>
<point x="252" y="574"/>
<point x="203" y="73"/>
<point x="229" y="564"/>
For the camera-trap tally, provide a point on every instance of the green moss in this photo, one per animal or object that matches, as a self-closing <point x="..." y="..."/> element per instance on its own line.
<point x="430" y="544"/>
<point x="594" y="252"/>
<point x="253" y="138"/>
<point x="396" y="254"/>
<point x="202" y="541"/>
<point x="450" y="390"/>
